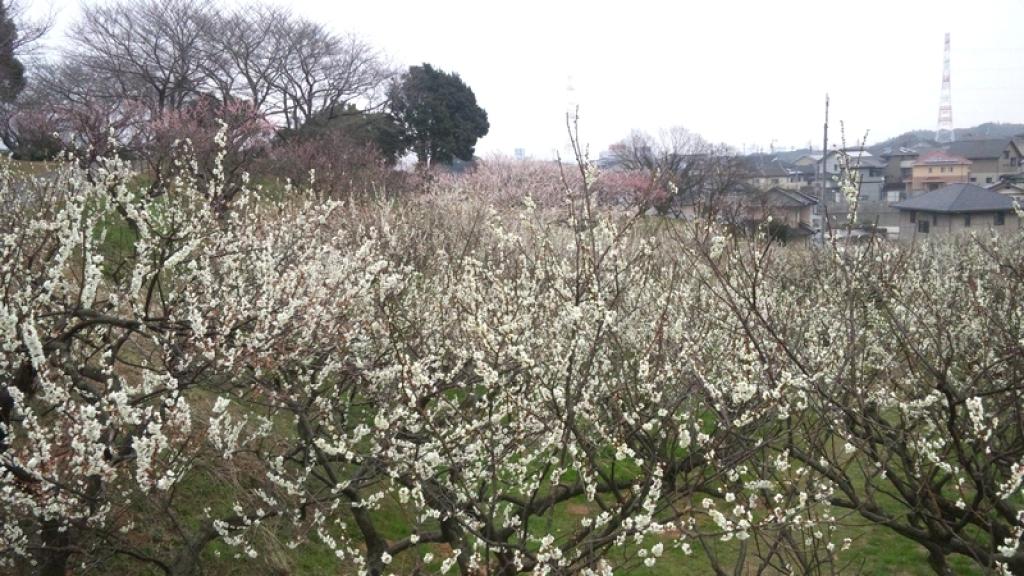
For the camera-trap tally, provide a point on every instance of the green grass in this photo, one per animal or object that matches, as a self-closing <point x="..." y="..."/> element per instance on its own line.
<point x="32" y="168"/>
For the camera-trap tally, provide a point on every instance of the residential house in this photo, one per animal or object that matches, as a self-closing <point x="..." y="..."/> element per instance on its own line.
<point x="956" y="209"/>
<point x="803" y="175"/>
<point x="807" y="160"/>
<point x="990" y="159"/>
<point x="937" y="168"/>
<point x="1010" y="186"/>
<point x="765" y="172"/>
<point x="898" y="164"/>
<point x="834" y="159"/>
<point x="869" y="174"/>
<point x="747" y="205"/>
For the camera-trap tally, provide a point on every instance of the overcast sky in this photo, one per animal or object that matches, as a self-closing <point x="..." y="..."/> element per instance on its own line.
<point x="750" y="74"/>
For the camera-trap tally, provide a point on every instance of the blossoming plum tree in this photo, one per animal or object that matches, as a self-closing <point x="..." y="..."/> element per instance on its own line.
<point x="423" y="386"/>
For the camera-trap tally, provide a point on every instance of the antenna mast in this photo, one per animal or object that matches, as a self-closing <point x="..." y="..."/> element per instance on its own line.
<point x="944" y="134"/>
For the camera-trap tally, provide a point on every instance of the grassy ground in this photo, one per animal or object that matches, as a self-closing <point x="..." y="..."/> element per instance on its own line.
<point x="30" y="168"/>
<point x="876" y="551"/>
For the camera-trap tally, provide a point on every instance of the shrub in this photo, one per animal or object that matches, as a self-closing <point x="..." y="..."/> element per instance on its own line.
<point x="222" y="139"/>
<point x="34" y="134"/>
<point x="334" y="164"/>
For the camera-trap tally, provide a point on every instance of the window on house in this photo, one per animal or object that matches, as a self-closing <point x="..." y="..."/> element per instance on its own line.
<point x="988" y="180"/>
<point x="935" y="219"/>
<point x="922" y="226"/>
<point x="1000" y="218"/>
<point x="929" y="169"/>
<point x="967" y="220"/>
<point x="973" y="179"/>
<point x="913" y="216"/>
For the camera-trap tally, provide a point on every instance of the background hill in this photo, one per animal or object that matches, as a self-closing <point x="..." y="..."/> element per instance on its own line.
<point x="979" y="132"/>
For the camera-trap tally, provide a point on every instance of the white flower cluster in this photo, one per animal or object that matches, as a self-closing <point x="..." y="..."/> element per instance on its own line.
<point x="304" y="368"/>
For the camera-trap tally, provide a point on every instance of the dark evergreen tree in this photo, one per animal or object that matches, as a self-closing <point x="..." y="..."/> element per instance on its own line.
<point x="12" y="71"/>
<point x="439" y="115"/>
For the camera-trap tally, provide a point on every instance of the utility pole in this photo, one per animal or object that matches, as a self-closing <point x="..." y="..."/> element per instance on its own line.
<point x="824" y="163"/>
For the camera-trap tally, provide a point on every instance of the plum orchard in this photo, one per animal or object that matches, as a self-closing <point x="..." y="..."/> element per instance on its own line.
<point x="174" y="374"/>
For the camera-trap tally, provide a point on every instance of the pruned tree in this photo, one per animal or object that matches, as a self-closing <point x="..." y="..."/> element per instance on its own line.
<point x="348" y="154"/>
<point x="221" y="140"/>
<point x="90" y="124"/>
<point x="32" y="133"/>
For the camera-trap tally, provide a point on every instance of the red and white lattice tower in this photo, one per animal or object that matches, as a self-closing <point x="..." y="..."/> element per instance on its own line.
<point x="945" y="132"/>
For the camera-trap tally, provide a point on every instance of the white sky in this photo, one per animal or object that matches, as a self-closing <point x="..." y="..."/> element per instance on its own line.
<point x="749" y="74"/>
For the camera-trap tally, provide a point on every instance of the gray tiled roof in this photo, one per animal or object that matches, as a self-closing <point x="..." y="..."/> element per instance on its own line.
<point x="955" y="198"/>
<point x="979" y="149"/>
<point x="779" y="197"/>
<point x="766" y="168"/>
<point x="867" y="162"/>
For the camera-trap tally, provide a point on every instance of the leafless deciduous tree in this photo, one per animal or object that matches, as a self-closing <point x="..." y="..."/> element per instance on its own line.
<point x="325" y="72"/>
<point x="142" y="75"/>
<point x="682" y="168"/>
<point x="165" y="52"/>
<point x="152" y="52"/>
<point x="87" y="123"/>
<point x="247" y="55"/>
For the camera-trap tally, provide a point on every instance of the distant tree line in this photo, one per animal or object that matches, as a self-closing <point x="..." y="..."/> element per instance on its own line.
<point x="144" y="77"/>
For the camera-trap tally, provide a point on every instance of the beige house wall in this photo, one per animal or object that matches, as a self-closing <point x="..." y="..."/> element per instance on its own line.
<point x="928" y="177"/>
<point x="784" y="182"/>
<point x="950" y="224"/>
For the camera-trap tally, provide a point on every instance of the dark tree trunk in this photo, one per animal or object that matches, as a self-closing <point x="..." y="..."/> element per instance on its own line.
<point x="54" y="557"/>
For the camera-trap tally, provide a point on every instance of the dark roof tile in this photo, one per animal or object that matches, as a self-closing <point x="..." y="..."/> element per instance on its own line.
<point x="979" y="149"/>
<point x="955" y="198"/>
